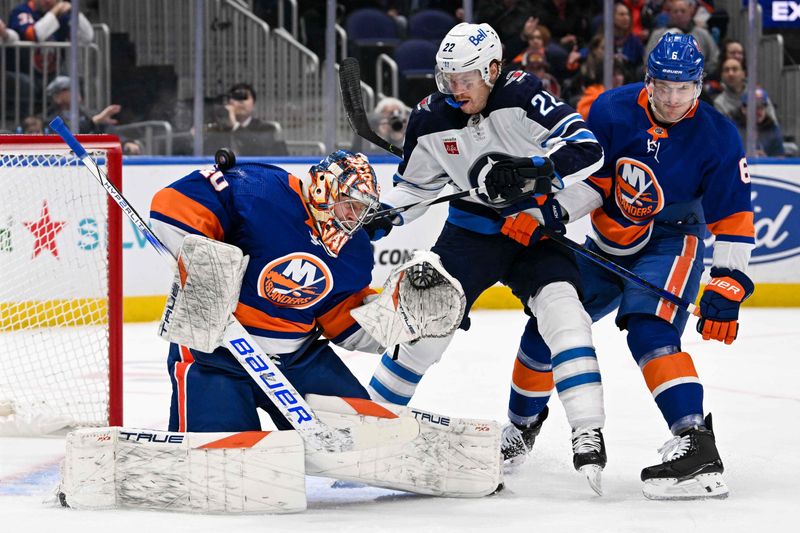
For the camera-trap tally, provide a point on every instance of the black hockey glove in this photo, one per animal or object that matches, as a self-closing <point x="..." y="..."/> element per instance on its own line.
<point x="508" y="178"/>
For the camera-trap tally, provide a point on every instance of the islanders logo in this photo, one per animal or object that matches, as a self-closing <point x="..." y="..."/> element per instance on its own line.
<point x="297" y="280"/>
<point x="637" y="192"/>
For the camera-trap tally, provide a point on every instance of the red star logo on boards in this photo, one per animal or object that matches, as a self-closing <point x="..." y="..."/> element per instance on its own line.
<point x="45" y="231"/>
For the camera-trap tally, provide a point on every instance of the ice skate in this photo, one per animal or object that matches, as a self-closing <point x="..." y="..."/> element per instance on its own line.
<point x="691" y="469"/>
<point x="518" y="441"/>
<point x="589" y="455"/>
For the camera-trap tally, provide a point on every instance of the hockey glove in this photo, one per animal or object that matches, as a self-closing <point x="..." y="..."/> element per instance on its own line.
<point x="378" y="228"/>
<point x="523" y="228"/>
<point x="719" y="305"/>
<point x="553" y="215"/>
<point x="507" y="178"/>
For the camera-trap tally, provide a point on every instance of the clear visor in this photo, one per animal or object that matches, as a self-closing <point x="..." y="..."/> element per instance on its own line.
<point x="674" y="93"/>
<point x="458" y="82"/>
<point x="352" y="210"/>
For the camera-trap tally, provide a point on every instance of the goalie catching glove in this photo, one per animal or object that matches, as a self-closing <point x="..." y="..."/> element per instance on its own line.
<point x="204" y="293"/>
<point x="419" y="299"/>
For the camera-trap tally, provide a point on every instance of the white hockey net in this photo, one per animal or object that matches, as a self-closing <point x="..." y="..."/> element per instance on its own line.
<point x="59" y="310"/>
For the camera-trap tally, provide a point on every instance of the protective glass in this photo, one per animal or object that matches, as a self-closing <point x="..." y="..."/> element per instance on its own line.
<point x="674" y="93"/>
<point x="458" y="82"/>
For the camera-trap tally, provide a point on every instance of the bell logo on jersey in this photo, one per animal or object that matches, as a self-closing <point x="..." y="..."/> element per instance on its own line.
<point x="637" y="192"/>
<point x="297" y="280"/>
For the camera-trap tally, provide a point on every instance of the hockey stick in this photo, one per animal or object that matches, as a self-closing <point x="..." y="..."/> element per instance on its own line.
<point x="438" y="200"/>
<point x="621" y="271"/>
<point x="350" y="84"/>
<point x="247" y="352"/>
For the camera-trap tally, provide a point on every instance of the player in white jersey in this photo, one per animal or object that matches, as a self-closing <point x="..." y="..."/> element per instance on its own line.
<point x="502" y="130"/>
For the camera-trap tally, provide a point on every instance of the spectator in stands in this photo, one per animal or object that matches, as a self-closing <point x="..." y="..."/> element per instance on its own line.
<point x="537" y="65"/>
<point x="712" y="84"/>
<point x="47" y="20"/>
<point x="769" y="138"/>
<point x="33" y="125"/>
<point x="537" y="38"/>
<point x="680" y="16"/>
<point x="640" y="22"/>
<point x="245" y="133"/>
<point x="7" y="35"/>
<point x="59" y="95"/>
<point x="734" y="82"/>
<point x="132" y="147"/>
<point x="507" y="17"/>
<point x="592" y="80"/>
<point x="627" y="47"/>
<point x="389" y="120"/>
<point x="567" y="22"/>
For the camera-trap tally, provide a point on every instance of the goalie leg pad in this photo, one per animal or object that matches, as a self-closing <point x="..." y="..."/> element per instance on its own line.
<point x="455" y="457"/>
<point x="247" y="472"/>
<point x="204" y="293"/>
<point x="419" y="300"/>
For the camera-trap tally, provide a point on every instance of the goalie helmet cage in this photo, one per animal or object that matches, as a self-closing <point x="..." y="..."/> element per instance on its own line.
<point x="60" y="282"/>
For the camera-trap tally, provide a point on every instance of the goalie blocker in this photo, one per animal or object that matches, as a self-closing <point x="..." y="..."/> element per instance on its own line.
<point x="264" y="472"/>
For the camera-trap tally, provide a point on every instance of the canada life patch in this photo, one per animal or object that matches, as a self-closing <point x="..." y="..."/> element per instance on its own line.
<point x="637" y="192"/>
<point x="297" y="280"/>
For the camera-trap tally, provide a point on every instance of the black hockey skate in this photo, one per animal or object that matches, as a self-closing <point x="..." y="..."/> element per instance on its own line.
<point x="691" y="469"/>
<point x="589" y="455"/>
<point x="518" y="440"/>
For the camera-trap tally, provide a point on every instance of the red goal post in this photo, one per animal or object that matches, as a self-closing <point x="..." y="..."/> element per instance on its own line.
<point x="60" y="283"/>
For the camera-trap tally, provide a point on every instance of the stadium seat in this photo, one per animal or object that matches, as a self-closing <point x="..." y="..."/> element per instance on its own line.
<point x="431" y="24"/>
<point x="370" y="32"/>
<point x="415" y="60"/>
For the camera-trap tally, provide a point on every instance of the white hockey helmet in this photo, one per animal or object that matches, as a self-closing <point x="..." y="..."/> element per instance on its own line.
<point x="467" y="48"/>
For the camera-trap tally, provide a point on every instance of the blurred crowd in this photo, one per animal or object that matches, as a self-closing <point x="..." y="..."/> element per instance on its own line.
<point x="560" y="41"/>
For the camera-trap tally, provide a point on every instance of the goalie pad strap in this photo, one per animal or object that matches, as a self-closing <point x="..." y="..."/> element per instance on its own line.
<point x="204" y="293"/>
<point x="447" y="456"/>
<point x="247" y="472"/>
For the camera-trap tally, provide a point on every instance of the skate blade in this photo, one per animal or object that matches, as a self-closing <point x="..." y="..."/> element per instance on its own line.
<point x="700" y="487"/>
<point x="594" y="475"/>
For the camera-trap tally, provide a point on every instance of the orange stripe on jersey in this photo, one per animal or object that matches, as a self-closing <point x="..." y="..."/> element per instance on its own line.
<point x="186" y="355"/>
<point x="616" y="232"/>
<point x="668" y="367"/>
<point x="180" y="207"/>
<point x="369" y="408"/>
<point x="297" y="186"/>
<point x="181" y="371"/>
<point x="244" y="439"/>
<point x="338" y="319"/>
<point x="602" y="183"/>
<point x="531" y="380"/>
<point x="740" y="223"/>
<point x="250" y="316"/>
<point x="678" y="276"/>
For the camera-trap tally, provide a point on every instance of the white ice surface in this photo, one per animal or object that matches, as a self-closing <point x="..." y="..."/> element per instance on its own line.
<point x="751" y="387"/>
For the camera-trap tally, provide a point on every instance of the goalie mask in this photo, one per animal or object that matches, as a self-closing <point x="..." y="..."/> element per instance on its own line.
<point x="342" y="195"/>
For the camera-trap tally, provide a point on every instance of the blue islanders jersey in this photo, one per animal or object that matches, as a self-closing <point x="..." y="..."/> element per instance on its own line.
<point x="444" y="145"/>
<point x="682" y="176"/>
<point x="24" y="16"/>
<point x="291" y="285"/>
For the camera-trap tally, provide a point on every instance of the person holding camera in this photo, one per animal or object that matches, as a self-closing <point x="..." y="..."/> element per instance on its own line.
<point x="236" y="126"/>
<point x="389" y="120"/>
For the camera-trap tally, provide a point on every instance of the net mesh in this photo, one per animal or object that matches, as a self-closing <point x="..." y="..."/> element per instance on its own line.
<point x="54" y="330"/>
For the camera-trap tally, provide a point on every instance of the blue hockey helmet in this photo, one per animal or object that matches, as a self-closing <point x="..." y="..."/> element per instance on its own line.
<point x="676" y="57"/>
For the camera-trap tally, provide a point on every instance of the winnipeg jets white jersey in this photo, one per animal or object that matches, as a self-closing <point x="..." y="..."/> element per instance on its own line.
<point x="444" y="145"/>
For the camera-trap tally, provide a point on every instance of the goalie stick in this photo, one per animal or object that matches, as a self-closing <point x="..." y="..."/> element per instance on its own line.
<point x="350" y="81"/>
<point x="261" y="368"/>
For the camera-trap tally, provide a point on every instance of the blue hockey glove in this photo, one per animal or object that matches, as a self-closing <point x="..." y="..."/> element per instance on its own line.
<point x="553" y="215"/>
<point x="507" y="178"/>
<point x="719" y="305"/>
<point x="378" y="228"/>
